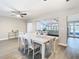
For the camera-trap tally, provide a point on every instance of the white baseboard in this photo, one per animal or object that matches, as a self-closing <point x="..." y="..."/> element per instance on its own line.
<point x="4" y="39"/>
<point x="3" y="36"/>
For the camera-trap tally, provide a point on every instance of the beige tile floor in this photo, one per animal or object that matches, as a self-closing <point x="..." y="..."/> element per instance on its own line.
<point x="9" y="50"/>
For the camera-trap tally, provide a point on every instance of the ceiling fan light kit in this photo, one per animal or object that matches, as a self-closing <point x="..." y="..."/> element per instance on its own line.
<point x="18" y="16"/>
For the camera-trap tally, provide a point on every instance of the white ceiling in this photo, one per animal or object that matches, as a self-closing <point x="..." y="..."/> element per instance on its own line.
<point x="38" y="8"/>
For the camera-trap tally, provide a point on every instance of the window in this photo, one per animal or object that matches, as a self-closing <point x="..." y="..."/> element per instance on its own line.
<point x="50" y="26"/>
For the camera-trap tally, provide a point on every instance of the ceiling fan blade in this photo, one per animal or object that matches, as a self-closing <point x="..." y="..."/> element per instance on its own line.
<point x="13" y="15"/>
<point x="21" y="16"/>
<point x="24" y="10"/>
<point x="24" y="14"/>
<point x="8" y="5"/>
<point x="13" y="9"/>
<point x="16" y="12"/>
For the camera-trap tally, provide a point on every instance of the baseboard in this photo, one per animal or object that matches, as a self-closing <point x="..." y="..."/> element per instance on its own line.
<point x="3" y="36"/>
<point x="4" y="39"/>
<point x="62" y="44"/>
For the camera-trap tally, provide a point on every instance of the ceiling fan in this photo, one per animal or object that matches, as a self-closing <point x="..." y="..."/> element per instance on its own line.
<point x="19" y="13"/>
<point x="14" y="11"/>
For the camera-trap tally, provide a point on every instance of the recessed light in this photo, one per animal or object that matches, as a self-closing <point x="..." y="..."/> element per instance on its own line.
<point x="44" y="0"/>
<point x="67" y="0"/>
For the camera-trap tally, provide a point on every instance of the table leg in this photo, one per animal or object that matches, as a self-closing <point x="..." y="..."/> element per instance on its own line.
<point x="43" y="51"/>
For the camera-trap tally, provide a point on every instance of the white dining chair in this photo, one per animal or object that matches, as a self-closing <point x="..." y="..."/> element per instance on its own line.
<point x="31" y="45"/>
<point x="22" y="42"/>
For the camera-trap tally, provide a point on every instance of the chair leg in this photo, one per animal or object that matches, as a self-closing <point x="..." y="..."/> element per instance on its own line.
<point x="28" y="51"/>
<point x="24" y="50"/>
<point x="33" y="54"/>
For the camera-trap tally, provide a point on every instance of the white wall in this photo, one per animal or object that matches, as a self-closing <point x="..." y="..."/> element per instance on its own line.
<point x="8" y="24"/>
<point x="29" y="27"/>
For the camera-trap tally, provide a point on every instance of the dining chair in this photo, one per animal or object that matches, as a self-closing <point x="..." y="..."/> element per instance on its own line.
<point x="22" y="42"/>
<point x="32" y="45"/>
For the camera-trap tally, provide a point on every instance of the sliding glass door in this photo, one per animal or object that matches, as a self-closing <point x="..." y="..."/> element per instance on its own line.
<point x="73" y="29"/>
<point x="77" y="29"/>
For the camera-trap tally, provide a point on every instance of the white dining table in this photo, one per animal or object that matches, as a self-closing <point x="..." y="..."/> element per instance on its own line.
<point x="42" y="40"/>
